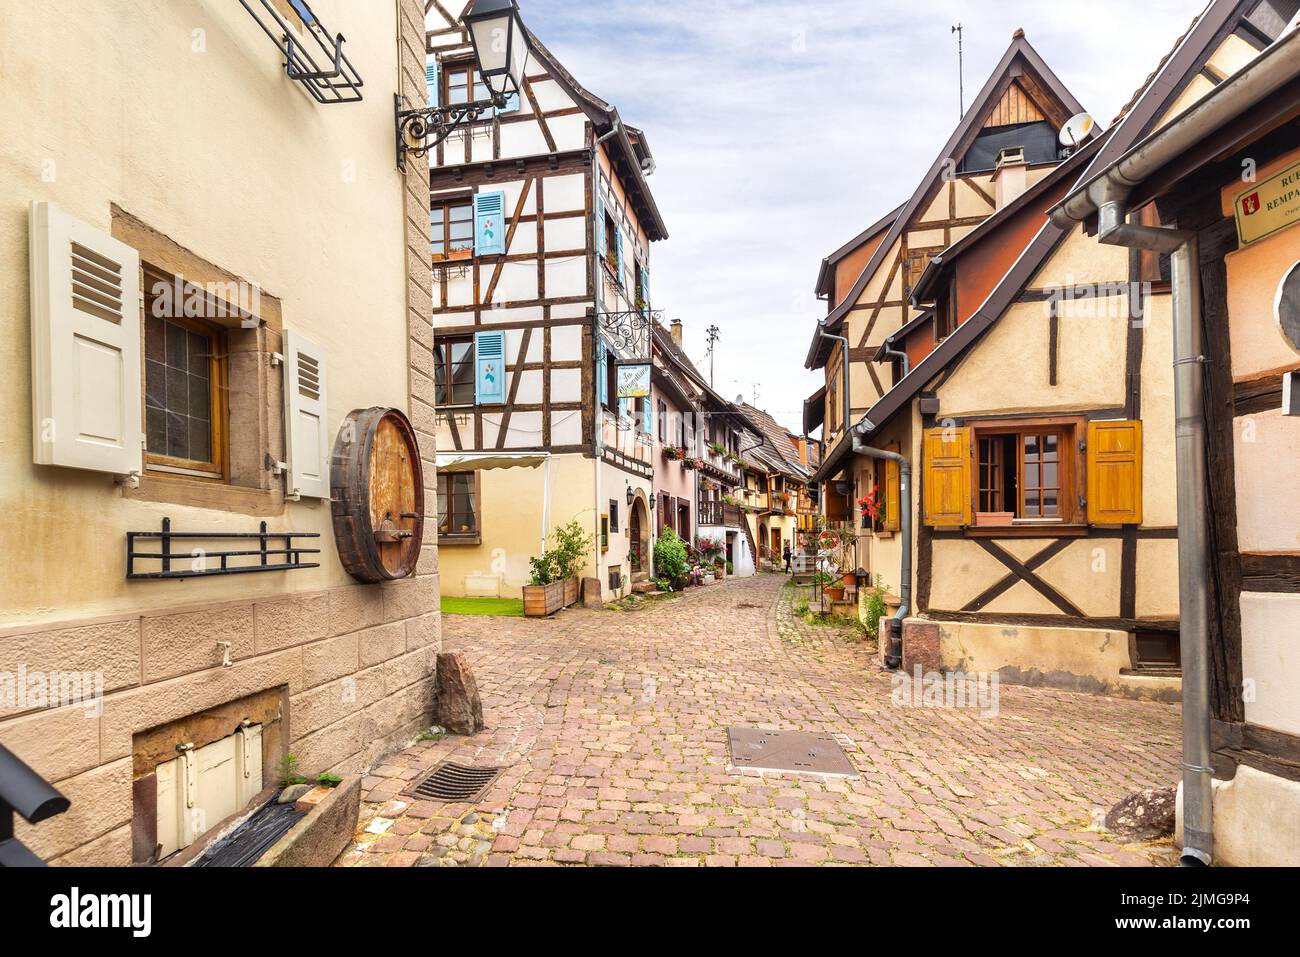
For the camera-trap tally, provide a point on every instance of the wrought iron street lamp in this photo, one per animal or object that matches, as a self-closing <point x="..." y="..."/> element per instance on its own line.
<point x="500" y="55"/>
<point x="631" y="496"/>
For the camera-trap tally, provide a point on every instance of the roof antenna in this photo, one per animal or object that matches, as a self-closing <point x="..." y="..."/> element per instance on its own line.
<point x="961" y="73"/>
<point x="713" y="332"/>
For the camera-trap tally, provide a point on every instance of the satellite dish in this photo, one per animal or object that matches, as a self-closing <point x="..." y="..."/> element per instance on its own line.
<point x="1077" y="129"/>
<point x="1287" y="307"/>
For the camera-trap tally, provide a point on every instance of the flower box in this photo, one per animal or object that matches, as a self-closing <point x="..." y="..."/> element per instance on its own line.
<point x="542" y="601"/>
<point x="571" y="592"/>
<point x="994" y="519"/>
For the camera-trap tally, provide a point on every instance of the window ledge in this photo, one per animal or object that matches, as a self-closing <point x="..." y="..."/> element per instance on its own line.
<point x="206" y="493"/>
<point x="1026" y="531"/>
<point x="454" y="540"/>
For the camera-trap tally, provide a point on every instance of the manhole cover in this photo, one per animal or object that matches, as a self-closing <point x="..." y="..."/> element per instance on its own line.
<point x="797" y="751"/>
<point x="453" y="782"/>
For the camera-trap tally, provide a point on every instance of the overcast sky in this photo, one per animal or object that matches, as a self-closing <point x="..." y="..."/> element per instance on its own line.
<point x="782" y="129"/>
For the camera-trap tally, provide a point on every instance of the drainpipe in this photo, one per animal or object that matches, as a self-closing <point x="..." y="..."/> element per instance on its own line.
<point x="1193" y="505"/>
<point x="901" y="356"/>
<point x="894" y="659"/>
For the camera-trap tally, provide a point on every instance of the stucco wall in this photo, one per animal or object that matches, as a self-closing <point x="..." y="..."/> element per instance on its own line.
<point x="1076" y="659"/>
<point x="204" y="139"/>
<point x="222" y="153"/>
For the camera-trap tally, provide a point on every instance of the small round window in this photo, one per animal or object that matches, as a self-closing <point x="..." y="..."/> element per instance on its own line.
<point x="1288" y="307"/>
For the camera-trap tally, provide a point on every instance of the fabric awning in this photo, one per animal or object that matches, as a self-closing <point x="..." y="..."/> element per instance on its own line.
<point x="452" y="462"/>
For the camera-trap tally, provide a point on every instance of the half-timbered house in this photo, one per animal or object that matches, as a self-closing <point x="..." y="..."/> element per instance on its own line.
<point x="703" y="449"/>
<point x="542" y="218"/>
<point x="1223" y="173"/>
<point x="1033" y="408"/>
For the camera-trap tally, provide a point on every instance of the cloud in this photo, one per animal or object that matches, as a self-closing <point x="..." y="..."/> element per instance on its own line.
<point x="782" y="129"/>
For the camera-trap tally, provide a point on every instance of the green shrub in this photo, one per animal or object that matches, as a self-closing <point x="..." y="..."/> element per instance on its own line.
<point x="875" y="606"/>
<point x="289" y="774"/>
<point x="670" y="559"/>
<point x="573" y="544"/>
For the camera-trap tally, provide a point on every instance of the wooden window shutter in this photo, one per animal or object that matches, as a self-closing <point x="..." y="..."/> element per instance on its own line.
<point x="618" y="248"/>
<point x="306" y="409"/>
<point x="602" y="374"/>
<point x="431" y="81"/>
<point x="1115" y="473"/>
<point x="948" y="478"/>
<point x="85" y="315"/>
<point x="893" y="514"/>
<point x="489" y="224"/>
<point x="600" y="227"/>
<point x="490" y="368"/>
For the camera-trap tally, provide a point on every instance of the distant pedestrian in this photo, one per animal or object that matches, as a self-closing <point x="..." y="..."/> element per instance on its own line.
<point x="789" y="556"/>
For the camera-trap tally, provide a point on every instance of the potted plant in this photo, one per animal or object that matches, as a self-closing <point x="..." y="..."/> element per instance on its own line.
<point x="690" y="463"/>
<point x="572" y="545"/>
<point x="719" y="568"/>
<point x="672" y="453"/>
<point x="544" y="593"/>
<point x="833" y="589"/>
<point x="718" y="449"/>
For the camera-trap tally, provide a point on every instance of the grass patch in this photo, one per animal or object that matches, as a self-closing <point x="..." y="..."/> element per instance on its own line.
<point x="484" y="607"/>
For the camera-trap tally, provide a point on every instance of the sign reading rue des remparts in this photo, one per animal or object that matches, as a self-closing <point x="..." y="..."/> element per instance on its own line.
<point x="1269" y="207"/>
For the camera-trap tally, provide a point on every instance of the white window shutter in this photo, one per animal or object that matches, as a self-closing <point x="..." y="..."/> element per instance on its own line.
<point x="306" y="426"/>
<point x="85" y="311"/>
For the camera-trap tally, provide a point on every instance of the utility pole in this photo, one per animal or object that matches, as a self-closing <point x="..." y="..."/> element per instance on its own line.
<point x="713" y="332"/>
<point x="961" y="73"/>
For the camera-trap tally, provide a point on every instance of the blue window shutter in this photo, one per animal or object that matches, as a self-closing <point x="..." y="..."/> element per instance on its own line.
<point x="431" y="80"/>
<point x="618" y="247"/>
<point x="600" y="227"/>
<point x="602" y="373"/>
<point x="490" y="224"/>
<point x="490" y="362"/>
<point x="645" y="292"/>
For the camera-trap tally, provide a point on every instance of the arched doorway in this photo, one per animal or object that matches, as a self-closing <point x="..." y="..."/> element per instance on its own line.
<point x="638" y="533"/>
<point x="762" y="545"/>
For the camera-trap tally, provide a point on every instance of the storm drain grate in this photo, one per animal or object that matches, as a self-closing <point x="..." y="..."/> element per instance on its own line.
<point x="792" y="751"/>
<point x="454" y="782"/>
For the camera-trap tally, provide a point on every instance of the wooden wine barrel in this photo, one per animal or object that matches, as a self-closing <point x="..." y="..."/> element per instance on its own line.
<point x="377" y="496"/>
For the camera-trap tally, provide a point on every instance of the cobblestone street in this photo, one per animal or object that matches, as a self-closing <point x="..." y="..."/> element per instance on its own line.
<point x="611" y="728"/>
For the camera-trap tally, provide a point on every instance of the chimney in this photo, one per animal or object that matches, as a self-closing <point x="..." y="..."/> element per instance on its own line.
<point x="1011" y="178"/>
<point x="677" y="331"/>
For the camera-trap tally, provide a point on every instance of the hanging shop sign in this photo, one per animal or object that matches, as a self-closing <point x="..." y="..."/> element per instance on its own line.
<point x="1268" y="207"/>
<point x="634" y="381"/>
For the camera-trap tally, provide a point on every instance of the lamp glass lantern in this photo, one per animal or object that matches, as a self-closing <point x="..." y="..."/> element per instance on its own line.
<point x="631" y="496"/>
<point x="500" y="48"/>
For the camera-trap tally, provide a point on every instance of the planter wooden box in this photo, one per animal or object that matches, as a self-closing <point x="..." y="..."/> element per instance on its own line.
<point x="542" y="601"/>
<point x="571" y="592"/>
<point x="994" y="519"/>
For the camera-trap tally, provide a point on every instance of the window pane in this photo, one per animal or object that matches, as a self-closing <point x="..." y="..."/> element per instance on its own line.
<point x="155" y="338"/>
<point x="1032" y="509"/>
<point x="462" y="214"/>
<point x="155" y="387"/>
<point x="1031" y="476"/>
<point x="177" y="346"/>
<point x="439" y="380"/>
<point x="1050" y="475"/>
<point x="1031" y="445"/>
<point x="178" y="435"/>
<point x="436" y="217"/>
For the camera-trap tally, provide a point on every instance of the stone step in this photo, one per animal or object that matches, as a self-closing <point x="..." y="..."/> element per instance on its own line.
<point x="643" y="588"/>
